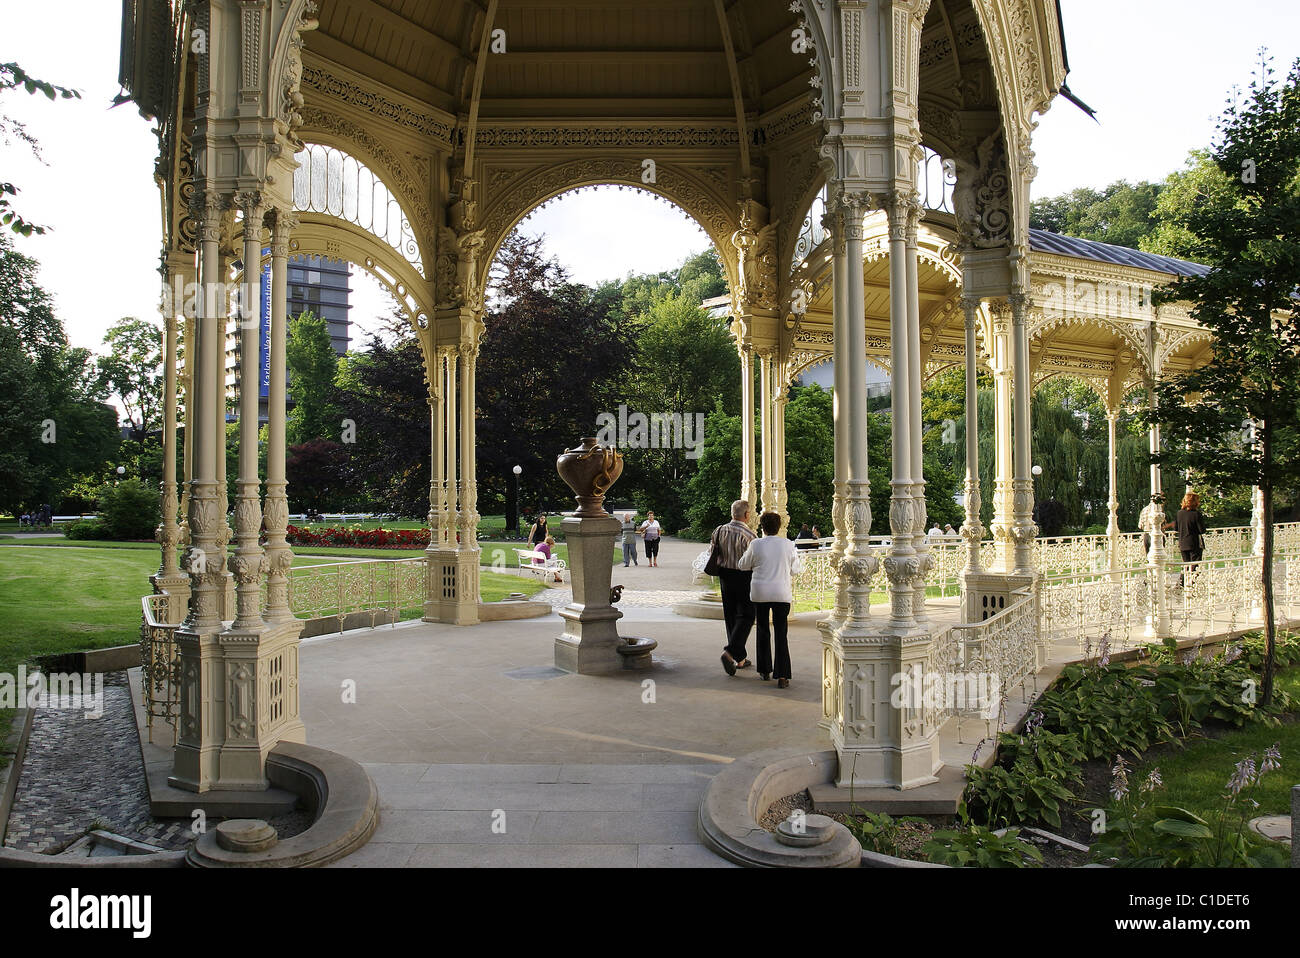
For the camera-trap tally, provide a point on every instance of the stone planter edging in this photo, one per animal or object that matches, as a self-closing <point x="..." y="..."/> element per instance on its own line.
<point x="739" y="794"/>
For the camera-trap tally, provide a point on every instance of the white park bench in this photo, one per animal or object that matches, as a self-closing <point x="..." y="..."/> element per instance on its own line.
<point x="538" y="562"/>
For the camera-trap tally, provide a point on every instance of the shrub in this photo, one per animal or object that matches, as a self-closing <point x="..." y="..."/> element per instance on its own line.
<point x="359" y="538"/>
<point x="130" y="510"/>
<point x="87" y="529"/>
<point x="975" y="846"/>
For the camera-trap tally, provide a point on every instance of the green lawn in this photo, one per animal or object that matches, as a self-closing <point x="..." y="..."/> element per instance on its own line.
<point x="66" y="600"/>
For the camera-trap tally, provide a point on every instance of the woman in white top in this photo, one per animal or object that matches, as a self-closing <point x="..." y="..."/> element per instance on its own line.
<point x="650" y="531"/>
<point x="773" y="560"/>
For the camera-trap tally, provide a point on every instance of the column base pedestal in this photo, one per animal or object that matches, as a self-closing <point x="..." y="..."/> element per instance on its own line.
<point x="452" y="586"/>
<point x="590" y="642"/>
<point x="239" y="699"/>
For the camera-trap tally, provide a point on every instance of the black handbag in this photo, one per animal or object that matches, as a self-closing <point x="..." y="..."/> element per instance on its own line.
<point x="712" y="567"/>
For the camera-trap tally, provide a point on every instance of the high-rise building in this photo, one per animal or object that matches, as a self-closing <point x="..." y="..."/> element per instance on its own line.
<point x="317" y="285"/>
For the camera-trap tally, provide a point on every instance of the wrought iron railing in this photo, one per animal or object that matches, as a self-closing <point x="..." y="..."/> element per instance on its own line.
<point x="159" y="663"/>
<point x="390" y="588"/>
<point x="983" y="661"/>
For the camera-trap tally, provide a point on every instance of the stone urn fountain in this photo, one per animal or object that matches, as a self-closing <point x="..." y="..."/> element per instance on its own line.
<point x="590" y="643"/>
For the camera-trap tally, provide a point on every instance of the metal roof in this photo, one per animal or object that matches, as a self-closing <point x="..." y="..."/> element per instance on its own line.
<point x="1045" y="242"/>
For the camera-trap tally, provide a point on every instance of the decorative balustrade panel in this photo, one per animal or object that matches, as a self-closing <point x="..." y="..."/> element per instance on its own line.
<point x="1071" y="554"/>
<point x="372" y="586"/>
<point x="1226" y="543"/>
<point x="978" y="664"/>
<point x="816" y="583"/>
<point x="1286" y="538"/>
<point x="1228" y="594"/>
<point x="159" y="663"/>
<point x="1088" y="607"/>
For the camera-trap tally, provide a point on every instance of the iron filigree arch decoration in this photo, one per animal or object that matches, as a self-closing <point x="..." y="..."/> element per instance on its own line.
<point x="322" y="235"/>
<point x="334" y="183"/>
<point x="936" y="179"/>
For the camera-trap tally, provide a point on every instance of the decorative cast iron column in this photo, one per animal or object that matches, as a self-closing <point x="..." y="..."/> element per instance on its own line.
<point x="1112" y="503"/>
<point x="972" y="531"/>
<point x="1002" y="483"/>
<point x="902" y="566"/>
<point x="279" y="555"/>
<point x="1023" y="530"/>
<point x="246" y="563"/>
<point x="917" y="460"/>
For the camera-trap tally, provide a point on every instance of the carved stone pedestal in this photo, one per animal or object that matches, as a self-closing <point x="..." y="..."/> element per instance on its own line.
<point x="590" y="641"/>
<point x="452" y="585"/>
<point x="238" y="700"/>
<point x="881" y="739"/>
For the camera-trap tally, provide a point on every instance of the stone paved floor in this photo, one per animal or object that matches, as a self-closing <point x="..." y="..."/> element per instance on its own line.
<point x="456" y="724"/>
<point x="82" y="773"/>
<point x="523" y="816"/>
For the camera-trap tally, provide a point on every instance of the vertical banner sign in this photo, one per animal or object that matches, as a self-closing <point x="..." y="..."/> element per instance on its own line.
<point x="264" y="377"/>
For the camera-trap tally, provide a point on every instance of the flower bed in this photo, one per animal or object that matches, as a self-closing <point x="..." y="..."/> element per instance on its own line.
<point x="357" y="537"/>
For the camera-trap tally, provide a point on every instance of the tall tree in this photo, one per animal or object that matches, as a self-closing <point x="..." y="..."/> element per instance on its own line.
<point x="382" y="390"/>
<point x="55" y="429"/>
<point x="132" y="371"/>
<point x="1200" y="181"/>
<point x="553" y="357"/>
<point x="1122" y="213"/>
<point x="685" y="362"/>
<point x="312" y="364"/>
<point x="1236" y="420"/>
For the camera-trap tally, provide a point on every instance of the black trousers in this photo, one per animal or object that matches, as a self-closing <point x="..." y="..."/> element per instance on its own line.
<point x="737" y="610"/>
<point x="780" y="613"/>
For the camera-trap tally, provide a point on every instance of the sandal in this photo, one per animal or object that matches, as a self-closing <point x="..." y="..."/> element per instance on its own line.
<point x="744" y="664"/>
<point x="728" y="663"/>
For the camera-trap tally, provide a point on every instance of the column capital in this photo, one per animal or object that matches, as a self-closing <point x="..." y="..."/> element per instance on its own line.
<point x="252" y="203"/>
<point x="281" y="223"/>
<point x="209" y="208"/>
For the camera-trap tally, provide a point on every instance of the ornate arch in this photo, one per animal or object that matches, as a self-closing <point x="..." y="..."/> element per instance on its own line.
<point x="1177" y="342"/>
<point x="806" y="198"/>
<point x="528" y="189"/>
<point x="802" y="360"/>
<point x="322" y="235"/>
<point x="322" y="127"/>
<point x="1041" y="325"/>
<point x="1100" y="385"/>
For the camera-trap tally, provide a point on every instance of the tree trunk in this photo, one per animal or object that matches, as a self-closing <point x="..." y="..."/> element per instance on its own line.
<point x="1270" y="629"/>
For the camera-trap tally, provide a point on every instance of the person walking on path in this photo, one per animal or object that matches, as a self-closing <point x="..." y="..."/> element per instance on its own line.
<point x="651" y="531"/>
<point x="538" y="534"/>
<point x="1190" y="523"/>
<point x="629" y="540"/>
<point x="728" y="544"/>
<point x="772" y="561"/>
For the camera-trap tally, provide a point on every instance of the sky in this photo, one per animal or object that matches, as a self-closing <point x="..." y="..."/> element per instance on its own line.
<point x="1157" y="71"/>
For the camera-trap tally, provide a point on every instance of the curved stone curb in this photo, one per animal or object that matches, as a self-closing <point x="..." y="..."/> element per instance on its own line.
<point x="738" y="796"/>
<point x="338" y="792"/>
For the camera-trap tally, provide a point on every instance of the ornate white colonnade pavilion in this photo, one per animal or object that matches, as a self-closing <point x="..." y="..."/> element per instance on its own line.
<point x="411" y="137"/>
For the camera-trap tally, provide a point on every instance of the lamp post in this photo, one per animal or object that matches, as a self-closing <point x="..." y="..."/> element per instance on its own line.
<point x="512" y="520"/>
<point x="121" y="471"/>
